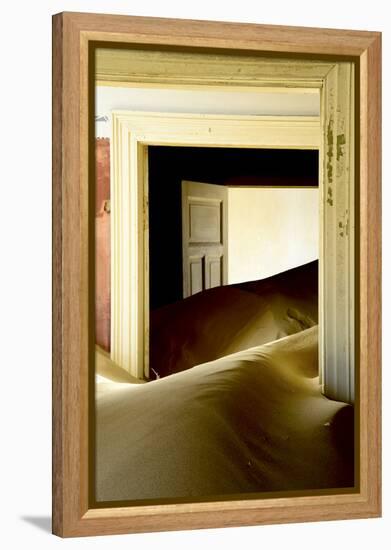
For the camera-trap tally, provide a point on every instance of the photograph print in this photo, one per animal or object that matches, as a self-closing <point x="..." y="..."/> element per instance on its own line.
<point x="224" y="276"/>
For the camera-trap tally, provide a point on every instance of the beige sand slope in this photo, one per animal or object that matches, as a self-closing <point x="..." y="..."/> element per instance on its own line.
<point x="223" y="320"/>
<point x="251" y="422"/>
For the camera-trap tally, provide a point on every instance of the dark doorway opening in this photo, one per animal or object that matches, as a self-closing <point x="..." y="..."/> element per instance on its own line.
<point x="168" y="166"/>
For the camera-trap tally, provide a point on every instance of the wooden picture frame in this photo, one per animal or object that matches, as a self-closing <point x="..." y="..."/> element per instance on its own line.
<point x="332" y="54"/>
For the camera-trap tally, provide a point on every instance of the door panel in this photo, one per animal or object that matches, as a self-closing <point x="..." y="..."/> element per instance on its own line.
<point x="204" y="220"/>
<point x="204" y="236"/>
<point x="214" y="272"/>
<point x="196" y="273"/>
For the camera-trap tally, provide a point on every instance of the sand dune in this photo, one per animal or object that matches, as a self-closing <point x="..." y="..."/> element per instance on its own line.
<point x="227" y="319"/>
<point x="249" y="416"/>
<point x="253" y="421"/>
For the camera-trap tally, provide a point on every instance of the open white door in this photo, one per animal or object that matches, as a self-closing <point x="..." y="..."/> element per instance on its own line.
<point x="204" y="236"/>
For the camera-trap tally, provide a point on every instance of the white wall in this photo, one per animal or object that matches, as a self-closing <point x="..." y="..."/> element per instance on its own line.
<point x="270" y="230"/>
<point x="249" y="102"/>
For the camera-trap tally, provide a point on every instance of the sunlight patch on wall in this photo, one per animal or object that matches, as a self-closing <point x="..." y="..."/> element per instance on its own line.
<point x="279" y="231"/>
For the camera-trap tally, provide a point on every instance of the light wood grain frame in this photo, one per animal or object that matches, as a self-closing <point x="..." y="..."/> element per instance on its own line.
<point x="73" y="514"/>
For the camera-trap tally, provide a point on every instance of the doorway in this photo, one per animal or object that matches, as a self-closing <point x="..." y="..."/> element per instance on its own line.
<point x="252" y="217"/>
<point x="219" y="175"/>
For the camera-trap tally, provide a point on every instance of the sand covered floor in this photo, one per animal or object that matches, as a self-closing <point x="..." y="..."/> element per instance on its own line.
<point x="223" y="320"/>
<point x="253" y="421"/>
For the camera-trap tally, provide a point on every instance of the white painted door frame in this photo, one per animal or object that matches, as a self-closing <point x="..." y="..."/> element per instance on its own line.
<point x="332" y="134"/>
<point x="132" y="133"/>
